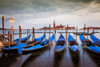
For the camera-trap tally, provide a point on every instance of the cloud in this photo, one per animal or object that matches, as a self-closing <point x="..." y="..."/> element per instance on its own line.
<point x="38" y="6"/>
<point x="37" y="11"/>
<point x="82" y="1"/>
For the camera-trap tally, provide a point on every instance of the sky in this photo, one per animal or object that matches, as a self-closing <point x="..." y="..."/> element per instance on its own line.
<point x="40" y="13"/>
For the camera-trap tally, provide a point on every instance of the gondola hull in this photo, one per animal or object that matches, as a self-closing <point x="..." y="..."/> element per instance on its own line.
<point x="73" y="45"/>
<point x="36" y="40"/>
<point x="60" y="44"/>
<point x="60" y="51"/>
<point x="95" y="40"/>
<point x="34" y="50"/>
<point x="95" y="53"/>
<point x="83" y="33"/>
<point x="41" y="46"/>
<point x="95" y="49"/>
<point x="23" y="40"/>
<point x="74" y="52"/>
<point x="15" y="48"/>
<point x="10" y="50"/>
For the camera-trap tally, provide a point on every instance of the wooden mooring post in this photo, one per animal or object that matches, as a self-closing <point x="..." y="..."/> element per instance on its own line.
<point x="20" y="34"/>
<point x="33" y="36"/>
<point x="54" y="32"/>
<point x="45" y="33"/>
<point x="12" y="34"/>
<point x="54" y="29"/>
<point x="9" y="40"/>
<point x="88" y="33"/>
<point x="66" y="30"/>
<point x="76" y="32"/>
<point x="84" y="33"/>
<point x="3" y="18"/>
<point x="28" y="33"/>
<point x="49" y="34"/>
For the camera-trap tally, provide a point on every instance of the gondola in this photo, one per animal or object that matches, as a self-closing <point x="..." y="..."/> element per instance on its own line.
<point x="82" y="33"/>
<point x="95" y="40"/>
<point x="36" y="40"/>
<point x="39" y="46"/>
<point x="90" y="46"/>
<point x="73" y="45"/>
<point x="21" y="45"/>
<point x="60" y="44"/>
<point x="23" y="39"/>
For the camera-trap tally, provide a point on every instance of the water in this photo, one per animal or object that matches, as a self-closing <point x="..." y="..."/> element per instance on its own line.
<point x="47" y="57"/>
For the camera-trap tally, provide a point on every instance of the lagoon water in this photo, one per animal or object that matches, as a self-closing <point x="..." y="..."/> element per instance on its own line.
<point x="47" y="57"/>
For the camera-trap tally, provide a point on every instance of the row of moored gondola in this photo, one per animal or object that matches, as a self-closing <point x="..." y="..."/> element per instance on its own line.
<point x="40" y="44"/>
<point x="28" y="48"/>
<point x="74" y="46"/>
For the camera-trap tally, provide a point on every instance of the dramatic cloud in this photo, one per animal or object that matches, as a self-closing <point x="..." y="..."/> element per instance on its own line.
<point x="34" y="12"/>
<point x="36" y="6"/>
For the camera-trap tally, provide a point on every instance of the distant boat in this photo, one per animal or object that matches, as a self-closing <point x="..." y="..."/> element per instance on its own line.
<point x="89" y="45"/>
<point x="23" y="39"/>
<point x="60" y="44"/>
<point x="73" y="45"/>
<point x="82" y="33"/>
<point x="95" y="40"/>
<point x="21" y="45"/>
<point x="39" y="46"/>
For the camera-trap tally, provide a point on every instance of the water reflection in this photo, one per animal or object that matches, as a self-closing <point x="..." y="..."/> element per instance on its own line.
<point x="58" y="58"/>
<point x="95" y="58"/>
<point x="8" y="60"/>
<point x="32" y="57"/>
<point x="75" y="58"/>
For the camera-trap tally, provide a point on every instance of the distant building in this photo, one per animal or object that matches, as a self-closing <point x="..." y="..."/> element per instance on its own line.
<point x="59" y="27"/>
